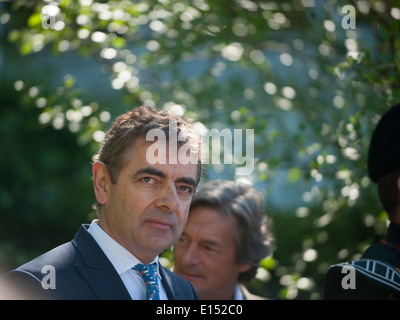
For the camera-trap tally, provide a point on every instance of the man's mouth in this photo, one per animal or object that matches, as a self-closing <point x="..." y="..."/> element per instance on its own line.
<point x="159" y="223"/>
<point x="189" y="275"/>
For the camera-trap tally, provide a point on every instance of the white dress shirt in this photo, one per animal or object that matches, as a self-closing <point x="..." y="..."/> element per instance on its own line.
<point x="123" y="262"/>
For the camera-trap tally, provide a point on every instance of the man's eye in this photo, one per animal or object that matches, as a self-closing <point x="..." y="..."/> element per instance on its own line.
<point x="148" y="180"/>
<point x="186" y="189"/>
<point x="211" y="249"/>
<point x="182" y="241"/>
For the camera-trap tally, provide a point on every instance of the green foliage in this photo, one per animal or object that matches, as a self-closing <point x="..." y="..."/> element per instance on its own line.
<point x="311" y="90"/>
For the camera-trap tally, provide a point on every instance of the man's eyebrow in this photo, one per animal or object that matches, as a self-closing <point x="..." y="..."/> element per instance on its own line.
<point x="211" y="243"/>
<point x="187" y="180"/>
<point x="149" y="170"/>
<point x="153" y="171"/>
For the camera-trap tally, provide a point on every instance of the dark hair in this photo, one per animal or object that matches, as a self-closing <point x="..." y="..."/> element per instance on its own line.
<point x="384" y="159"/>
<point x="388" y="192"/>
<point x="117" y="146"/>
<point x="253" y="237"/>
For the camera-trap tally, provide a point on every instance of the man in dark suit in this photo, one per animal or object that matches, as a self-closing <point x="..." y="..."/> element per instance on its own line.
<point x="224" y="240"/>
<point x="143" y="187"/>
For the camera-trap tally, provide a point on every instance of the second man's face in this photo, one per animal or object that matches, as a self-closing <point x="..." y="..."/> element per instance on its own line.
<point x="205" y="254"/>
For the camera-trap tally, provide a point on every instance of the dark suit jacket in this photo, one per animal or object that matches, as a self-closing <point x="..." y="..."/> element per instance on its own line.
<point x="82" y="271"/>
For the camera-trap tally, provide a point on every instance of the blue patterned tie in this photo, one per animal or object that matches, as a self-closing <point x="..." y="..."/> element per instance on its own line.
<point x="149" y="275"/>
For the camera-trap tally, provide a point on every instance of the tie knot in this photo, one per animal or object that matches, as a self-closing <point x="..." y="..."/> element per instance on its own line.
<point x="146" y="268"/>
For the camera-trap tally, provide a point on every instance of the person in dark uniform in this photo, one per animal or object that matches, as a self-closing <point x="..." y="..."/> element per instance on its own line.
<point x="384" y="170"/>
<point x="377" y="273"/>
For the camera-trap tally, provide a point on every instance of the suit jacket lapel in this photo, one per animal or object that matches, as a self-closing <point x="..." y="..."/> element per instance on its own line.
<point x="97" y="270"/>
<point x="170" y="288"/>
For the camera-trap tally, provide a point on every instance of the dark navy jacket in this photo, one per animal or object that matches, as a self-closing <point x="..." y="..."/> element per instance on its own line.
<point x="83" y="272"/>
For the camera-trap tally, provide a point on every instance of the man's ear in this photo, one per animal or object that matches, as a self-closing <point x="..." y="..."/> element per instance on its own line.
<point x="100" y="181"/>
<point x="244" y="267"/>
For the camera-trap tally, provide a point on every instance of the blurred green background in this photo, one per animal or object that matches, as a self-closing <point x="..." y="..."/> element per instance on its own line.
<point x="310" y="77"/>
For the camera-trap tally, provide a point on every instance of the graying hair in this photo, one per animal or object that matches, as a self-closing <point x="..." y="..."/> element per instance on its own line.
<point x="253" y="237"/>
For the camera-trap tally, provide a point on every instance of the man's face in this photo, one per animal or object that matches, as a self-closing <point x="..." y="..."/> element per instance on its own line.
<point x="205" y="254"/>
<point x="146" y="210"/>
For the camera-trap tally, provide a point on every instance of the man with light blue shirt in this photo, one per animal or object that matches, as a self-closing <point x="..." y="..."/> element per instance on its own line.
<point x="142" y="203"/>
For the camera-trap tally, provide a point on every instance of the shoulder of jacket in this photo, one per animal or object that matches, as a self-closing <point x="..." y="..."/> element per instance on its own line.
<point x="382" y="252"/>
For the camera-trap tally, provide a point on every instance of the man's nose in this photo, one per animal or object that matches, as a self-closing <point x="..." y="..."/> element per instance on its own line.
<point x="191" y="256"/>
<point x="168" y="198"/>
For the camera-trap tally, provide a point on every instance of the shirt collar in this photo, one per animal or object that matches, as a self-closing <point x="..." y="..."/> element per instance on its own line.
<point x="238" y="293"/>
<point x="121" y="259"/>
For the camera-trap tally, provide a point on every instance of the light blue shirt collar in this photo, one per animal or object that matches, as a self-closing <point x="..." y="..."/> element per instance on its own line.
<point x="238" y="293"/>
